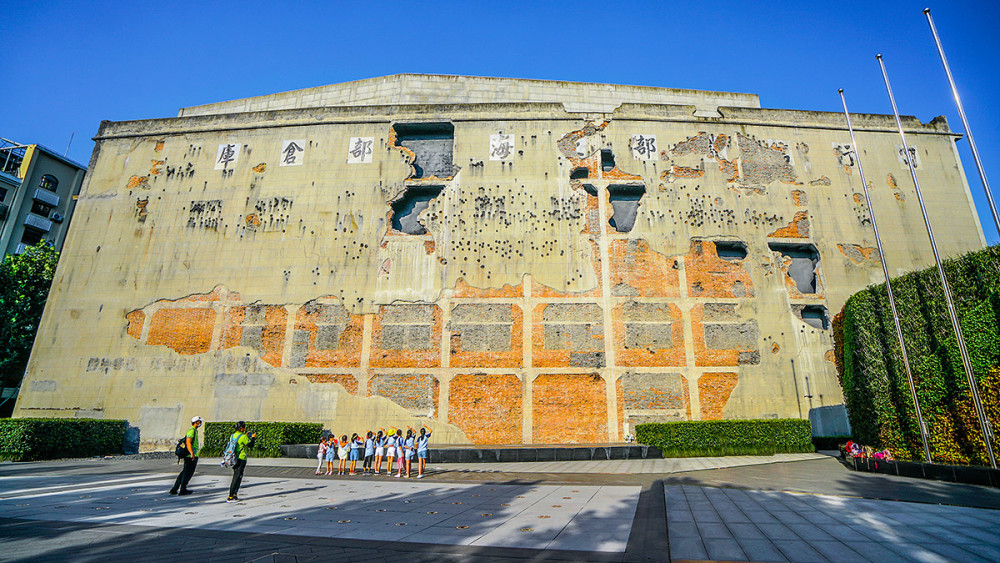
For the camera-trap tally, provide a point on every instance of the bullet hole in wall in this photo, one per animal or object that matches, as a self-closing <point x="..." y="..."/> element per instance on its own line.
<point x="625" y="203"/>
<point x="607" y="160"/>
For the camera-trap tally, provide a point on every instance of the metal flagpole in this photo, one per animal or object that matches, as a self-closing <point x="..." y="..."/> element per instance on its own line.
<point x="965" y="121"/>
<point x="984" y="422"/>
<point x="888" y="284"/>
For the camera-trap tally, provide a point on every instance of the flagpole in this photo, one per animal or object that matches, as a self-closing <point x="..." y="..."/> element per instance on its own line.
<point x="984" y="422"/>
<point x="888" y="283"/>
<point x="965" y="122"/>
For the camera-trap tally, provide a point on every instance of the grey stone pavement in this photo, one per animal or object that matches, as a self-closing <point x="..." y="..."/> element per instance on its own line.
<point x="801" y="507"/>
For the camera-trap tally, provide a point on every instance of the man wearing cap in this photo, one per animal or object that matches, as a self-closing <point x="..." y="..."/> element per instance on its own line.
<point x="243" y="445"/>
<point x="191" y="461"/>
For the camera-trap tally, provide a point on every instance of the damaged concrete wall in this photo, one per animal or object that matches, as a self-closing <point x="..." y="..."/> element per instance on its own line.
<point x="254" y="266"/>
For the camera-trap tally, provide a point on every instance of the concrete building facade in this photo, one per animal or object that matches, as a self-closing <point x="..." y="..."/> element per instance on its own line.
<point x="505" y="261"/>
<point x="37" y="190"/>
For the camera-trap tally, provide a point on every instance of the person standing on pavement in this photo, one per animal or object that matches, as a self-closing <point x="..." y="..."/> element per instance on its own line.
<point x="243" y="445"/>
<point x="422" y="446"/>
<point x="190" y="461"/>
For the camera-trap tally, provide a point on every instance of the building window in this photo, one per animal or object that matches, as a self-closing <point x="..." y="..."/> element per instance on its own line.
<point x="31" y="236"/>
<point x="39" y="208"/>
<point x="3" y="194"/>
<point x="49" y="182"/>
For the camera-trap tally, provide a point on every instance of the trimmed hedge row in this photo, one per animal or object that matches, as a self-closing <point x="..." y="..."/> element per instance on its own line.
<point x="869" y="361"/>
<point x="270" y="436"/>
<point x="727" y="437"/>
<point x="30" y="439"/>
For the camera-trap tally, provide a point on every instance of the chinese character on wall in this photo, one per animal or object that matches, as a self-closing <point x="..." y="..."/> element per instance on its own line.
<point x="501" y="147"/>
<point x="292" y="153"/>
<point x="644" y="147"/>
<point x="359" y="151"/>
<point x="227" y="156"/>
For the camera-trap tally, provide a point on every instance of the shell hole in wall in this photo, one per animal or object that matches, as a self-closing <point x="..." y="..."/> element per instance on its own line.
<point x="625" y="203"/>
<point x="407" y="209"/>
<point x="731" y="250"/>
<point x="607" y="160"/>
<point x="815" y="316"/>
<point x="433" y="145"/>
<point x="805" y="258"/>
<point x="579" y="173"/>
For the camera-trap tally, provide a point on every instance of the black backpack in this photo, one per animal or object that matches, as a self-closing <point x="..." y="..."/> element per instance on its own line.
<point x="181" y="450"/>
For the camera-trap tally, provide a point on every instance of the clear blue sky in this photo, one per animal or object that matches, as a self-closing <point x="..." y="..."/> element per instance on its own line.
<point x="69" y="65"/>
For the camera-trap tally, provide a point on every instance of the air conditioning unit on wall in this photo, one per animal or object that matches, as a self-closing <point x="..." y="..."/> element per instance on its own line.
<point x="56" y="217"/>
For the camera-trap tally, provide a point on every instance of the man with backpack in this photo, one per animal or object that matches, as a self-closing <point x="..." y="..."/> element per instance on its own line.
<point x="236" y="456"/>
<point x="188" y="451"/>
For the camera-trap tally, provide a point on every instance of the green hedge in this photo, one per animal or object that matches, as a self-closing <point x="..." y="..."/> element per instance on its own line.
<point x="29" y="439"/>
<point x="270" y="436"/>
<point x="727" y="437"/>
<point x="873" y="377"/>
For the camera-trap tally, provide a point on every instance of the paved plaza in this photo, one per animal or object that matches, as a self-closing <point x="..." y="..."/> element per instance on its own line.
<point x="802" y="507"/>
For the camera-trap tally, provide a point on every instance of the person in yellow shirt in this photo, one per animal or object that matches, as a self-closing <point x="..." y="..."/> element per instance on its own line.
<point x="191" y="461"/>
<point x="243" y="445"/>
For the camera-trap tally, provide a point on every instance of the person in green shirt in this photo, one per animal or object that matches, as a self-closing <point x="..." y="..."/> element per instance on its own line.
<point x="243" y="445"/>
<point x="191" y="461"/>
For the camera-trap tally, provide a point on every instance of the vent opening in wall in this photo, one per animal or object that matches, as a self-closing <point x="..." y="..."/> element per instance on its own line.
<point x="815" y="316"/>
<point x="625" y="203"/>
<point x="407" y="209"/>
<point x="607" y="160"/>
<point x="805" y="258"/>
<point x="432" y="144"/>
<point x="731" y="249"/>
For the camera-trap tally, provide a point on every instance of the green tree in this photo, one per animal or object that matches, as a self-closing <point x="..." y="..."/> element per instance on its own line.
<point x="24" y="285"/>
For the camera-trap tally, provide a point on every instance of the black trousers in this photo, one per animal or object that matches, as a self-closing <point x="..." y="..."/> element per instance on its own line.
<point x="234" y="487"/>
<point x="190" y="463"/>
<point x="368" y="462"/>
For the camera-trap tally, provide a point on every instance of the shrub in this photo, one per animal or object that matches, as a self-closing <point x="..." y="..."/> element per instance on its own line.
<point x="727" y="437"/>
<point x="270" y="436"/>
<point x="30" y="439"/>
<point x="871" y="371"/>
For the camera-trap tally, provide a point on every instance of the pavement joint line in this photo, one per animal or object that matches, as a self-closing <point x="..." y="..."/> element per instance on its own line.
<point x="41" y="491"/>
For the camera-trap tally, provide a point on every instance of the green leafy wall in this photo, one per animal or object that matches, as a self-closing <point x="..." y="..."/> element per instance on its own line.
<point x="869" y="360"/>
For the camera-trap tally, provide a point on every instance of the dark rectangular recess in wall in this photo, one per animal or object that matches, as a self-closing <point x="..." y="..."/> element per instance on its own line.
<point x="805" y="258"/>
<point x="607" y="160"/>
<point x="731" y="249"/>
<point x="433" y="145"/>
<point x="579" y="173"/>
<point x="815" y="316"/>
<point x="407" y="209"/>
<point x="625" y="203"/>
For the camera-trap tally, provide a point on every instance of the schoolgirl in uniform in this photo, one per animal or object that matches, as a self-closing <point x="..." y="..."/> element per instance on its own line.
<point x="321" y="454"/>
<point x="342" y="449"/>
<point x="379" y="451"/>
<point x="390" y="450"/>
<point x="355" y="451"/>
<point x="369" y="453"/>
<point x="408" y="450"/>
<point x="399" y="453"/>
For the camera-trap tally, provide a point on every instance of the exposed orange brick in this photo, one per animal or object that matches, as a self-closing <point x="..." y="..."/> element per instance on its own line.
<point x="158" y="147"/>
<point x="272" y="333"/>
<point x="486" y="407"/>
<point x="634" y="264"/>
<point x="799" y="198"/>
<point x="711" y="276"/>
<point x="673" y="356"/>
<point x="418" y="393"/>
<point x="260" y="168"/>
<point x="714" y="390"/>
<point x="464" y="290"/>
<point x="543" y="357"/>
<point x="137" y="182"/>
<point x="347" y="381"/>
<point x="185" y="331"/>
<point x="830" y="356"/>
<point x="429" y="246"/>
<point x="798" y="228"/>
<point x="155" y="168"/>
<point x="501" y="359"/>
<point x="135" y="319"/>
<point x="406" y="358"/>
<point x="569" y="409"/>
<point x="348" y="351"/>
<point x="702" y="355"/>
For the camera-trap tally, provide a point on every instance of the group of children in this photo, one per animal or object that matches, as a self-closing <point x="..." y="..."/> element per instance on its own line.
<point x="372" y="449"/>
